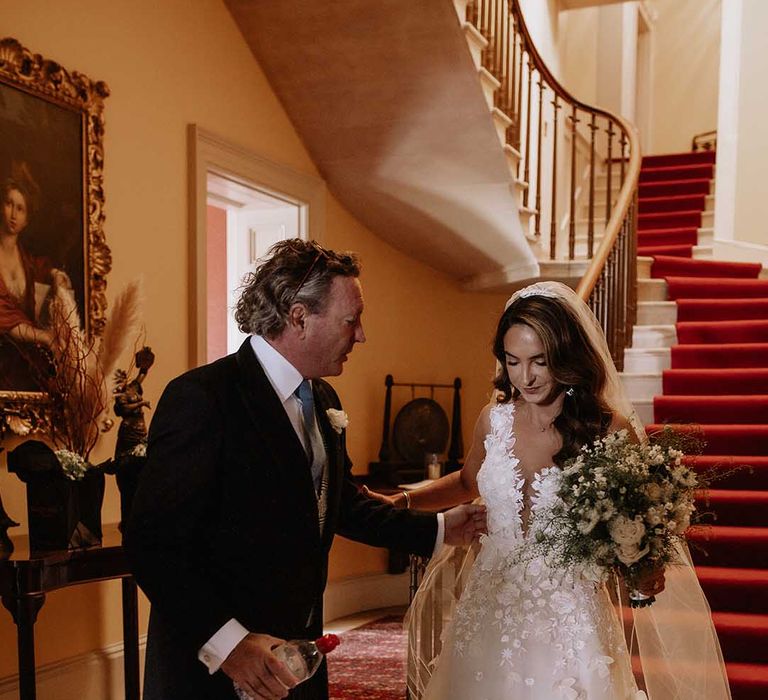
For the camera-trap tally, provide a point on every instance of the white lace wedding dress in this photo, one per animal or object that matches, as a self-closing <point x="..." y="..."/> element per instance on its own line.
<point x="523" y="630"/>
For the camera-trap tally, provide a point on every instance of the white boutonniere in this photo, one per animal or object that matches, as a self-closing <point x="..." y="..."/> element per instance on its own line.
<point x="338" y="419"/>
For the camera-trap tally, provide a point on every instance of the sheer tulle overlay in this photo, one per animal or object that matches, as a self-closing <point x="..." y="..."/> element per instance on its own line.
<point x="524" y="629"/>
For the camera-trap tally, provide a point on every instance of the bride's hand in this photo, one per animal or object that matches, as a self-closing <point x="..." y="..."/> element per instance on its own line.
<point x="397" y="501"/>
<point x="652" y="583"/>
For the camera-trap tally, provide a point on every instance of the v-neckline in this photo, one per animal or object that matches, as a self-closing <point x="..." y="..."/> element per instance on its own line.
<point x="529" y="492"/>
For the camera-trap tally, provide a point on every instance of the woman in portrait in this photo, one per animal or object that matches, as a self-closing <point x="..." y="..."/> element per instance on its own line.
<point x="525" y="627"/>
<point x="25" y="282"/>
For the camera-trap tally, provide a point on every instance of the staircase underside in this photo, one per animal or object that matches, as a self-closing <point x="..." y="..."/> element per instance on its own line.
<point x="387" y="99"/>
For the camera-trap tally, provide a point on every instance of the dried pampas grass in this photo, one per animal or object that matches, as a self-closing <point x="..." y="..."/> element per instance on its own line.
<point x="122" y="327"/>
<point x="81" y="365"/>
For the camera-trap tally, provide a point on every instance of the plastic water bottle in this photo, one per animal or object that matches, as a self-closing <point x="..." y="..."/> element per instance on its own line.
<point x="302" y="657"/>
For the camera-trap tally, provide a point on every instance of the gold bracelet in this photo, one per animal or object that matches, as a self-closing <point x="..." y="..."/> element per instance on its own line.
<point x="407" y="497"/>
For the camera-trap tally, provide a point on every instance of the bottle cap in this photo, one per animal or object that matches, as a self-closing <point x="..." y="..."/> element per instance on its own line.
<point x="328" y="642"/>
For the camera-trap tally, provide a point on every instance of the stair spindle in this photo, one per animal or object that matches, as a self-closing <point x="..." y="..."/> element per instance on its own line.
<point x="527" y="169"/>
<point x="572" y="222"/>
<point x="553" y="213"/>
<point x="537" y="216"/>
<point x="591" y="214"/>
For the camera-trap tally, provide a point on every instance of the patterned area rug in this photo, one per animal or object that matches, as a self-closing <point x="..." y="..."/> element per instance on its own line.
<point x="370" y="662"/>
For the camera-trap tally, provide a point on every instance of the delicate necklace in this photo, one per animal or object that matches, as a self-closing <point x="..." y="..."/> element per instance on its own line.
<point x="537" y="426"/>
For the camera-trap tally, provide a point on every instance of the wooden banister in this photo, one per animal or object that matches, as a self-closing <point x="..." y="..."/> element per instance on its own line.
<point x="561" y="178"/>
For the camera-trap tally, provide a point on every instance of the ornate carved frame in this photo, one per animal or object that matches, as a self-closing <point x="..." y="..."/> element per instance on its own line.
<point x="24" y="412"/>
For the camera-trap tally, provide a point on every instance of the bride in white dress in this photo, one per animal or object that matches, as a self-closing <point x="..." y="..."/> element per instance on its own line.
<point x="522" y="628"/>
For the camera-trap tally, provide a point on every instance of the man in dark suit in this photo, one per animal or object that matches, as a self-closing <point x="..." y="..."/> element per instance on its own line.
<point x="246" y="483"/>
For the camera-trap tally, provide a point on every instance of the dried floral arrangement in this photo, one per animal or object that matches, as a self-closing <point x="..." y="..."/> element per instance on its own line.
<point x="78" y="384"/>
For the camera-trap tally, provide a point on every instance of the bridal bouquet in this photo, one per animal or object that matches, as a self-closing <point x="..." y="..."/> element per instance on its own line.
<point x="622" y="507"/>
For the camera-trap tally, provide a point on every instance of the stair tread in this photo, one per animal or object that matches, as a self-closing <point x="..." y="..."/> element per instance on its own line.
<point x="711" y="574"/>
<point x="725" y="371"/>
<point x="753" y="621"/>
<point x="743" y="495"/>
<point x="727" y="532"/>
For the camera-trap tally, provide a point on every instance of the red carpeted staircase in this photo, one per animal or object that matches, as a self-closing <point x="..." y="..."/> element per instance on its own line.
<point x="719" y="381"/>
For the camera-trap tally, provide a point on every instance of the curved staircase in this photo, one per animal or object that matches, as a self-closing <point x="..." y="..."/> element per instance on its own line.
<point x="701" y="353"/>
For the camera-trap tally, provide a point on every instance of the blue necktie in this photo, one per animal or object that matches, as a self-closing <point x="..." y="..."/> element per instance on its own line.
<point x="313" y="441"/>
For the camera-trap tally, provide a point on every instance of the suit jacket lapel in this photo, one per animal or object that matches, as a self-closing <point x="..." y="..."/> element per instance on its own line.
<point x="269" y="416"/>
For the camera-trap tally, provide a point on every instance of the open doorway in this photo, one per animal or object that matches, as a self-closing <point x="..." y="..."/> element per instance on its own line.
<point x="240" y="204"/>
<point x="243" y="222"/>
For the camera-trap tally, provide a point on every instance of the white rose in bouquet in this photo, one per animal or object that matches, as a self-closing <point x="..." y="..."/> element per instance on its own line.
<point x="629" y="554"/>
<point x="626" y="531"/>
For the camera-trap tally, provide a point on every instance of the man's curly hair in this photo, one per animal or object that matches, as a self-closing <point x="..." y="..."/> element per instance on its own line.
<point x="294" y="271"/>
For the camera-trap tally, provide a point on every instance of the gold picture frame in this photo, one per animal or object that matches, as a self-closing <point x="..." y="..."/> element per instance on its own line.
<point x="52" y="168"/>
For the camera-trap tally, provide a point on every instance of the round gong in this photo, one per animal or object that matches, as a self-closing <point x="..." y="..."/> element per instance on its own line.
<point x="421" y="427"/>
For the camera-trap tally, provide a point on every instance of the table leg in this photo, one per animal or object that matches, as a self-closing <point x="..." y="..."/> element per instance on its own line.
<point x="24" y="610"/>
<point x="130" y="639"/>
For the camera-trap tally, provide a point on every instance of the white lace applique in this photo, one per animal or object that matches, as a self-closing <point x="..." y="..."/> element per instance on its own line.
<point x="551" y="631"/>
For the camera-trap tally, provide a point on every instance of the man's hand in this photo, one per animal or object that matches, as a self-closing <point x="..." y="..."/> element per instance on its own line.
<point x="254" y="667"/>
<point x="464" y="524"/>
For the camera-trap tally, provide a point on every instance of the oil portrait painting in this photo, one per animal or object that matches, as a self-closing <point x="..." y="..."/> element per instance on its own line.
<point x="52" y="244"/>
<point x="41" y="229"/>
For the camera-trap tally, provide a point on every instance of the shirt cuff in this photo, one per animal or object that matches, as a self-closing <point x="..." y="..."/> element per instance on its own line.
<point x="215" y="651"/>
<point x="440" y="534"/>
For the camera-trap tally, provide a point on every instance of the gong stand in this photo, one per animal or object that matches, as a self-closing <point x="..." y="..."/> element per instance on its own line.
<point x="397" y="471"/>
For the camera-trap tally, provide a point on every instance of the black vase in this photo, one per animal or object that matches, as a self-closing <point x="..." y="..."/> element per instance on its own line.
<point x="127" y="470"/>
<point x="62" y="513"/>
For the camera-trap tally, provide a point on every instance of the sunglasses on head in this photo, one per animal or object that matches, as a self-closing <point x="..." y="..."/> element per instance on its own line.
<point x="320" y="254"/>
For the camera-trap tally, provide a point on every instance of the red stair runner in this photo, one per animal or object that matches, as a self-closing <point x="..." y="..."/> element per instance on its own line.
<point x="668" y="236"/>
<point x="680" y="251"/>
<point x="755" y="331"/>
<point x="711" y="409"/>
<point x="669" y="219"/>
<point x="717" y="389"/>
<point x="715" y="382"/>
<point x="665" y="160"/>
<point x="682" y="172"/>
<point x="721" y="309"/>
<point x="716" y="288"/>
<point x="675" y="188"/>
<point x="685" y="202"/>
<point x="735" y="471"/>
<point x="670" y="265"/>
<point x="720" y="355"/>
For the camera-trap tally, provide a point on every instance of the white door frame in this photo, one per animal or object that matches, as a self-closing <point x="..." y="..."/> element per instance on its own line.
<point x="209" y="153"/>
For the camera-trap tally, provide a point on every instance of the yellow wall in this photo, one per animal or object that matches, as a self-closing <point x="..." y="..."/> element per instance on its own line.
<point x="685" y="79"/>
<point x="173" y="63"/>
<point x="751" y="141"/>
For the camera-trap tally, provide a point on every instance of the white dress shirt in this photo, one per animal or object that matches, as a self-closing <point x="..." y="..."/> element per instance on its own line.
<point x="285" y="379"/>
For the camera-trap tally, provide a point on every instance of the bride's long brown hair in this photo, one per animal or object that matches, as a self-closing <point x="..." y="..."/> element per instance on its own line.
<point x="573" y="363"/>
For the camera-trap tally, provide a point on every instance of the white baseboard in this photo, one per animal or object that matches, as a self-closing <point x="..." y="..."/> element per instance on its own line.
<point x="98" y="675"/>
<point x="95" y="675"/>
<point x="358" y="593"/>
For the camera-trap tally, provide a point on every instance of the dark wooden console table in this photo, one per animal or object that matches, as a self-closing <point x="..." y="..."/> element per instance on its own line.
<point x="26" y="578"/>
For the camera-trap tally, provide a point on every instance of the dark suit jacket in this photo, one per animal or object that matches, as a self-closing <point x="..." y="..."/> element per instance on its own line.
<point x="225" y="524"/>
